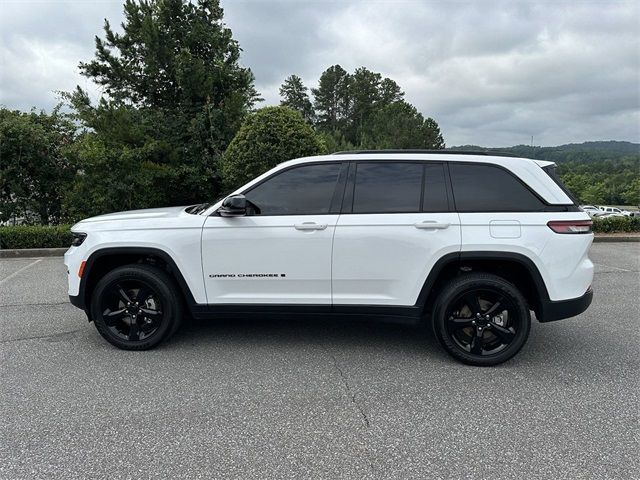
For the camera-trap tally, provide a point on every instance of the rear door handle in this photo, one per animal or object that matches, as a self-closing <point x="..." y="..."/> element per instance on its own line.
<point x="431" y="225"/>
<point x="310" y="226"/>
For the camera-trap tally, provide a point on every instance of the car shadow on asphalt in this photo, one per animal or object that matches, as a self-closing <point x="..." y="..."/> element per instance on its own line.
<point x="545" y="347"/>
<point x="314" y="331"/>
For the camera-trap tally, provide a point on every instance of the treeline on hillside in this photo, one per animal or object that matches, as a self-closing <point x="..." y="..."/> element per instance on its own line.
<point x="176" y="98"/>
<point x="609" y="182"/>
<point x="581" y="152"/>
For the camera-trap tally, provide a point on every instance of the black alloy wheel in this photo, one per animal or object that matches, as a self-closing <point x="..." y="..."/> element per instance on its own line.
<point x="132" y="310"/>
<point x="135" y="307"/>
<point x="481" y="319"/>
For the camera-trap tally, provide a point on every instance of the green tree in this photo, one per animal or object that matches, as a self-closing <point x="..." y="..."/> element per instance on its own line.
<point x="400" y="125"/>
<point x="335" y="142"/>
<point x="175" y="95"/>
<point x="295" y="95"/>
<point x="390" y="92"/>
<point x="331" y="99"/>
<point x="268" y="137"/>
<point x="34" y="171"/>
<point x="116" y="178"/>
<point x="432" y="135"/>
<point x="345" y="103"/>
<point x="369" y="92"/>
<point x="632" y="192"/>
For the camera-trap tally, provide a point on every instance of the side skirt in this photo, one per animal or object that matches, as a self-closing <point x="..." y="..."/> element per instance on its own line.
<point x="386" y="313"/>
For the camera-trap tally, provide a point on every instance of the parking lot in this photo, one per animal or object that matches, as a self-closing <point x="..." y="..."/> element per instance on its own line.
<point x="321" y="399"/>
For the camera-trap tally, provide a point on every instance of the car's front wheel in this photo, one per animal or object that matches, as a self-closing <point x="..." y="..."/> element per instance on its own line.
<point x="135" y="307"/>
<point x="481" y="319"/>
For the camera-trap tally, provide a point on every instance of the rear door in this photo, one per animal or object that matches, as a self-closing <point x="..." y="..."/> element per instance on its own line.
<point x="397" y="220"/>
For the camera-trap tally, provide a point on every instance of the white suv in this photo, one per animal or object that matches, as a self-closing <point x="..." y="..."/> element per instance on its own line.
<point x="470" y="242"/>
<point x="614" y="212"/>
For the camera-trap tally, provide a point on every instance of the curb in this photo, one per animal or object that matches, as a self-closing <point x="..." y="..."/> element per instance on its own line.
<point x="59" y="252"/>
<point x="33" y="252"/>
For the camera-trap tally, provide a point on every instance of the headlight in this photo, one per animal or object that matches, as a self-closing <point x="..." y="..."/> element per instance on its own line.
<point x="78" y="238"/>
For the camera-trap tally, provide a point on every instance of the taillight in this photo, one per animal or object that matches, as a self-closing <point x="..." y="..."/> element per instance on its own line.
<point x="570" y="226"/>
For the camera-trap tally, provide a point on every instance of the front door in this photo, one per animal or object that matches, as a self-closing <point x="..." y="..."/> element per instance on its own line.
<point x="281" y="254"/>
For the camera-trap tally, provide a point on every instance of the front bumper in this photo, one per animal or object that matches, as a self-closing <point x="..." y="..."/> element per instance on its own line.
<point x="551" y="311"/>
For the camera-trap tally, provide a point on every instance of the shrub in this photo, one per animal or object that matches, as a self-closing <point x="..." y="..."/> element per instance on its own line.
<point x="616" y="224"/>
<point x="268" y="137"/>
<point x="35" y="236"/>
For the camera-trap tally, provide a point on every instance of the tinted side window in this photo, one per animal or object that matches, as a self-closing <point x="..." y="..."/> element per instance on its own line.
<point x="387" y="187"/>
<point x="486" y="188"/>
<point x="302" y="190"/>
<point x="434" y="198"/>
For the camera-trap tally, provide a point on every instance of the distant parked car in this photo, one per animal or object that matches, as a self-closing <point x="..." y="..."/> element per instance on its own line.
<point x="615" y="212"/>
<point x="592" y="211"/>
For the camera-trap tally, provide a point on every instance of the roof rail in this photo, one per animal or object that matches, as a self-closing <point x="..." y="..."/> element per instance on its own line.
<point x="431" y="152"/>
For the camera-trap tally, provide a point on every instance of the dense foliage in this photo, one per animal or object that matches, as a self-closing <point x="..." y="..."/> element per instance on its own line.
<point x="361" y="110"/>
<point x="175" y="95"/>
<point x="268" y="137"/>
<point x="610" y="182"/>
<point x="400" y="125"/>
<point x="616" y="224"/>
<point x="35" y="236"/>
<point x="34" y="171"/>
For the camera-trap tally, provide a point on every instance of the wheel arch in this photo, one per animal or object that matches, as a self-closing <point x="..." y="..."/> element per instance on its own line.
<point x="514" y="267"/>
<point x="106" y="259"/>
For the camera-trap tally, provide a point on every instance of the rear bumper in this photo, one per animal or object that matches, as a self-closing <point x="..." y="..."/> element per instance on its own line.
<point x="551" y="311"/>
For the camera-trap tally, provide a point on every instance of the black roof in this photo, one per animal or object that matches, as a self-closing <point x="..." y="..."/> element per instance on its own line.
<point x="433" y="152"/>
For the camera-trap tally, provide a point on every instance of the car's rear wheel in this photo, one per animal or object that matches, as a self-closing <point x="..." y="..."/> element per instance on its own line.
<point x="481" y="319"/>
<point x="135" y="307"/>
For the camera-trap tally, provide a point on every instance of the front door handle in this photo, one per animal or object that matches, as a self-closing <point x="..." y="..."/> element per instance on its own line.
<point x="431" y="225"/>
<point x="310" y="226"/>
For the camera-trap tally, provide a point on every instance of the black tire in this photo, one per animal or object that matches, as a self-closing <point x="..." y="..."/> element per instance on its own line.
<point x="130" y="322"/>
<point x="486" y="331"/>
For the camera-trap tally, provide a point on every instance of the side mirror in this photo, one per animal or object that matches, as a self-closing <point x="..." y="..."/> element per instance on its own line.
<point x="233" y="206"/>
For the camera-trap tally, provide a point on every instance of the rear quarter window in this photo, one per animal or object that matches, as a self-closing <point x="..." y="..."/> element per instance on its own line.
<point x="488" y="188"/>
<point x="551" y="171"/>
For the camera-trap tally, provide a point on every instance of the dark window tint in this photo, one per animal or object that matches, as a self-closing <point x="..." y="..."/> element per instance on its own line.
<point x="486" y="188"/>
<point x="434" y="198"/>
<point x="387" y="187"/>
<point x="300" y="191"/>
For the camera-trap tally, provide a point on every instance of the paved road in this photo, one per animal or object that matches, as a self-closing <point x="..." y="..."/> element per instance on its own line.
<point x="276" y="399"/>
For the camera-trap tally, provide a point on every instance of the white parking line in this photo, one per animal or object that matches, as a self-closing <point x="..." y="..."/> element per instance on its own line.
<point x="6" y="279"/>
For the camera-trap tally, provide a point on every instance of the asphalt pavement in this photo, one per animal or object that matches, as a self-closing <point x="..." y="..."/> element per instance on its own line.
<point x="315" y="399"/>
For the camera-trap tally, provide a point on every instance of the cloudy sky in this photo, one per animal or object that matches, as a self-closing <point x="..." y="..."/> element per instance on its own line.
<point x="491" y="73"/>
